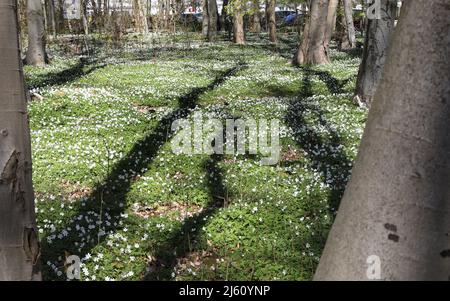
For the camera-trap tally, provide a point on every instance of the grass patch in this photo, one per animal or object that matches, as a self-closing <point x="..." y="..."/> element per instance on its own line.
<point x="110" y="190"/>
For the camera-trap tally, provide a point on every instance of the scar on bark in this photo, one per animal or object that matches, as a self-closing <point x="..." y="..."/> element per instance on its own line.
<point x="9" y="170"/>
<point x="10" y="174"/>
<point x="392" y="228"/>
<point x="31" y="244"/>
<point x="394" y="237"/>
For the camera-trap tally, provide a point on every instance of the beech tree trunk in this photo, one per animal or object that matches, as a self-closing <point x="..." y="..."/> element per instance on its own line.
<point x="84" y="17"/>
<point x="212" y="19"/>
<point x="377" y="40"/>
<point x="205" y="18"/>
<point x="271" y="20"/>
<point x="140" y="16"/>
<point x="394" y="219"/>
<point x="256" y="17"/>
<point x="341" y="28"/>
<point x="226" y="19"/>
<point x="349" y="25"/>
<point x="312" y="49"/>
<point x="331" y="21"/>
<point x="36" y="55"/>
<point x="19" y="244"/>
<point x="59" y="16"/>
<point x="238" y="26"/>
<point x="51" y="17"/>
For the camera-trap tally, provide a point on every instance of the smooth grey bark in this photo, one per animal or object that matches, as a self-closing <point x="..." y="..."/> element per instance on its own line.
<point x="341" y="28"/>
<point x="312" y="49"/>
<point x="256" y="17"/>
<point x="84" y="17"/>
<point x="51" y="17"/>
<point x="271" y="20"/>
<point x="331" y="21"/>
<point x="140" y="16"/>
<point x="36" y="54"/>
<point x="60" y="15"/>
<point x="377" y="40"/>
<point x="397" y="203"/>
<point x="144" y="15"/>
<point x="19" y="244"/>
<point x="205" y="18"/>
<point x="238" y="25"/>
<point x="349" y="25"/>
<point x="212" y="19"/>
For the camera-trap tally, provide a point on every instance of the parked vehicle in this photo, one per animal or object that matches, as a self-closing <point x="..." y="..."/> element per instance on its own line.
<point x="290" y="19"/>
<point x="191" y="18"/>
<point x="281" y="14"/>
<point x="293" y="19"/>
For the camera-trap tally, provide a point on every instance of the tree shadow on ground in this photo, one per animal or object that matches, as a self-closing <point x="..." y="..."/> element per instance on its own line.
<point x="325" y="153"/>
<point x="84" y="67"/>
<point x="109" y="197"/>
<point x="334" y="85"/>
<point x="183" y="240"/>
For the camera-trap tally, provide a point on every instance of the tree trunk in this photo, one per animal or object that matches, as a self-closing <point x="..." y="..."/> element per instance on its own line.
<point x="226" y="22"/>
<point x="271" y="20"/>
<point x="205" y="18"/>
<point x="238" y="26"/>
<point x="212" y="19"/>
<point x="256" y="17"/>
<point x="378" y="34"/>
<point x="349" y="25"/>
<point x="312" y="49"/>
<point x="107" y="16"/>
<point x="144" y="15"/>
<point x="106" y="8"/>
<point x="51" y="17"/>
<point x="140" y="16"/>
<point x="331" y="21"/>
<point x="96" y="13"/>
<point x="19" y="244"/>
<point x="394" y="219"/>
<point x="36" y="55"/>
<point x="60" y="24"/>
<point x="341" y="28"/>
<point x="84" y="17"/>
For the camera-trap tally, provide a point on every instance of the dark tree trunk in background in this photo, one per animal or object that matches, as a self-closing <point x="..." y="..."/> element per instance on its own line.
<point x="256" y="17"/>
<point x="312" y="49"/>
<point x="395" y="212"/>
<point x="36" y="55"/>
<point x="377" y="38"/>
<point x="212" y="19"/>
<point x="205" y="18"/>
<point x="271" y="21"/>
<point x="60" y="16"/>
<point x="51" y="17"/>
<point x="226" y="21"/>
<point x="19" y="243"/>
<point x="84" y="17"/>
<point x="96" y="14"/>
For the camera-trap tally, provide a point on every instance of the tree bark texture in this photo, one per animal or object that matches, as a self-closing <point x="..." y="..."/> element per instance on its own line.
<point x="395" y="212"/>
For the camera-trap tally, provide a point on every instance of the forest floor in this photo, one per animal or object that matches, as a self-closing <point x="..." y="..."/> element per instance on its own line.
<point x="110" y="190"/>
